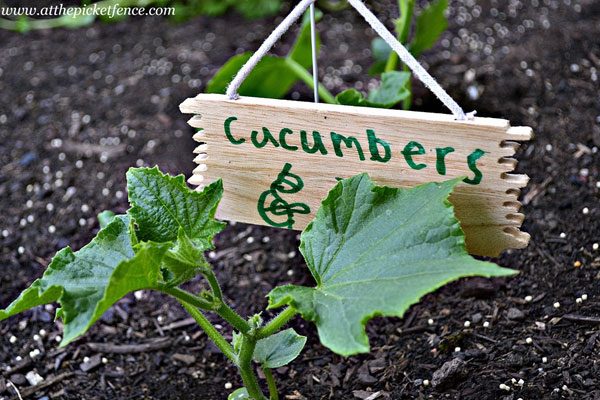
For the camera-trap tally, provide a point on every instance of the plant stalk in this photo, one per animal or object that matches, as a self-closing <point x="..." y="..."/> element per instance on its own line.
<point x="307" y="78"/>
<point x="246" y="371"/>
<point x="406" y="9"/>
<point x="189" y="298"/>
<point x="403" y="25"/>
<point x="407" y="102"/>
<point x="224" y="311"/>
<point x="233" y="318"/>
<point x="276" y="323"/>
<point x="211" y="331"/>
<point x="213" y="282"/>
<point x="273" y="392"/>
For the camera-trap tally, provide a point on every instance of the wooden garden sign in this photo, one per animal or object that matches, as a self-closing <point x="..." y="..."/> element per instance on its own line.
<point x="278" y="159"/>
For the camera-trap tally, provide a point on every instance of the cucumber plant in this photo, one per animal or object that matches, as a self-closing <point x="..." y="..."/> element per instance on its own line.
<point x="373" y="251"/>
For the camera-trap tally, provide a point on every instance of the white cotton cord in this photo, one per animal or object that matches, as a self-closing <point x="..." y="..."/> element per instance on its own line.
<point x="410" y="61"/>
<point x="313" y="45"/>
<point x="234" y="86"/>
<point x="403" y="53"/>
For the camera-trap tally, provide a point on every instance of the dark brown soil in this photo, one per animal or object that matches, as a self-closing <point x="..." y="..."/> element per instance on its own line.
<point x="77" y="108"/>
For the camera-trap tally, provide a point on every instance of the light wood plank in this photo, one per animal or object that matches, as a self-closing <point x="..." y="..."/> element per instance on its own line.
<point x="488" y="211"/>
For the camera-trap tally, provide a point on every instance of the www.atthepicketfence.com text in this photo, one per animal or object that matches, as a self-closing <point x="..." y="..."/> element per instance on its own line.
<point x="109" y="11"/>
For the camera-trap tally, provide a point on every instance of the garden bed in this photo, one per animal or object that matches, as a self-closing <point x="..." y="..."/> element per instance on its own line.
<point x="78" y="108"/>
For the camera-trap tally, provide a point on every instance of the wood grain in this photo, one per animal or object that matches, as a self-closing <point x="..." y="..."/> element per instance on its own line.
<point x="489" y="212"/>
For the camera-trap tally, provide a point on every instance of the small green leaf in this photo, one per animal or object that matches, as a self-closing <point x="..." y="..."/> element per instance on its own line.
<point x="351" y="97"/>
<point x="430" y="25"/>
<point x="105" y="218"/>
<point x="239" y="394"/>
<point x="162" y="205"/>
<point x="184" y="260"/>
<point x="391" y="91"/>
<point x="253" y="9"/>
<point x="302" y="50"/>
<point x="280" y="349"/>
<point x="236" y="341"/>
<point x="375" y="251"/>
<point x="380" y="49"/>
<point x="272" y="77"/>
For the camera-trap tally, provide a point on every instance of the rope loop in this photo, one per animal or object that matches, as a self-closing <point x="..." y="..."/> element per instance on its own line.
<point x="408" y="59"/>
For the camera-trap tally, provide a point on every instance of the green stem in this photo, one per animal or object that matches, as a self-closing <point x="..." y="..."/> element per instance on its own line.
<point x="403" y="25"/>
<point x="406" y="9"/>
<point x="407" y="102"/>
<point x="213" y="282"/>
<point x="392" y="62"/>
<point x="189" y="298"/>
<point x="307" y="78"/>
<point x="233" y="318"/>
<point x="211" y="331"/>
<point x="276" y="323"/>
<point x="273" y="392"/>
<point x="246" y="371"/>
<point x="219" y="307"/>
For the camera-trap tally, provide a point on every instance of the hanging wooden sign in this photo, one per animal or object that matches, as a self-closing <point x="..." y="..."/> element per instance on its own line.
<point x="278" y="159"/>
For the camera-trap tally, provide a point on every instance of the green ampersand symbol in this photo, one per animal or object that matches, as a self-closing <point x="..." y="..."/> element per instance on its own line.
<point x="273" y="208"/>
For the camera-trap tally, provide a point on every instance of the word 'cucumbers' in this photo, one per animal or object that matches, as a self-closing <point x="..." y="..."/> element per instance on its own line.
<point x="372" y="149"/>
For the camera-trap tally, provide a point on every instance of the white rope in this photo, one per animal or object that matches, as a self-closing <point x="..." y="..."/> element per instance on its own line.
<point x="313" y="48"/>
<point x="403" y="53"/>
<point x="234" y="86"/>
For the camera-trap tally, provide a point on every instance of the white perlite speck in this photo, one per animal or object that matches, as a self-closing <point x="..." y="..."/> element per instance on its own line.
<point x="34" y="378"/>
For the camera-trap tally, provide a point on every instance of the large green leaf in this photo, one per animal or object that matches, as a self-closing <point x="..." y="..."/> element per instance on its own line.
<point x="87" y="282"/>
<point x="302" y="50"/>
<point x="280" y="349"/>
<point x="431" y="23"/>
<point x="272" y="77"/>
<point x="162" y="205"/>
<point x="391" y="91"/>
<point x="374" y="251"/>
<point x="140" y="272"/>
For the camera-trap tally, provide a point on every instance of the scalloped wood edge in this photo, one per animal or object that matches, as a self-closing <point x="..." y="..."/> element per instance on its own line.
<point x="489" y="213"/>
